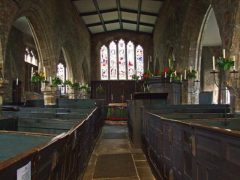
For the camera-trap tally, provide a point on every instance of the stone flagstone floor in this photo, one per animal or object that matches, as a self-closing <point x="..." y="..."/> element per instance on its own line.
<point x="114" y="158"/>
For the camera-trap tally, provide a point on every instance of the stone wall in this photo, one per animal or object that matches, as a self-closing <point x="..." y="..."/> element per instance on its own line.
<point x="179" y="29"/>
<point x="143" y="39"/>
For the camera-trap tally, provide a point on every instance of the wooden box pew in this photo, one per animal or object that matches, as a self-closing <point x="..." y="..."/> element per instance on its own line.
<point x="49" y="162"/>
<point x="81" y="136"/>
<point x="64" y="157"/>
<point x="190" y="108"/>
<point x="8" y="124"/>
<point x="44" y="125"/>
<point x="43" y="122"/>
<point x="137" y="107"/>
<point x="19" y="149"/>
<point x="192" y="148"/>
<point x="55" y="110"/>
<point x="77" y="103"/>
<point x="53" y="115"/>
<point x="184" y="116"/>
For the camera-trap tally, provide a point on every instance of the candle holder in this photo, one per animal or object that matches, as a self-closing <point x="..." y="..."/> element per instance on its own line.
<point x="226" y="80"/>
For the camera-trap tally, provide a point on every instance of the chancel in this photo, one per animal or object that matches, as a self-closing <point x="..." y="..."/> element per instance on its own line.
<point x="119" y="89"/>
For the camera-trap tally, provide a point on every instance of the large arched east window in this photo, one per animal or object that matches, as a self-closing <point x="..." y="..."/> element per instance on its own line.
<point x="119" y="61"/>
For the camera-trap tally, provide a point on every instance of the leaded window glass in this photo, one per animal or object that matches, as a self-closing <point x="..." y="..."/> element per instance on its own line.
<point x="139" y="60"/>
<point x="121" y="60"/>
<point x="61" y="73"/>
<point x="130" y="59"/>
<point x="104" y="63"/>
<point x="113" y="61"/>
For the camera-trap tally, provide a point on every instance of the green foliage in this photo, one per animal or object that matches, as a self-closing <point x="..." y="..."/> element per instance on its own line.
<point x="37" y="77"/>
<point x="56" y="81"/>
<point x="68" y="83"/>
<point x="100" y="90"/>
<point x="75" y="86"/>
<point x="224" y="63"/>
<point x="85" y="88"/>
<point x="191" y="74"/>
<point x="135" y="77"/>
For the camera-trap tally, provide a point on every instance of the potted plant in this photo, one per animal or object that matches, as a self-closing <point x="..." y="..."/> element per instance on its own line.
<point x="191" y="74"/>
<point x="74" y="89"/>
<point x="225" y="64"/>
<point x="145" y="78"/>
<point x="100" y="92"/>
<point x="37" y="77"/>
<point x="50" y="91"/>
<point x="85" y="91"/>
<point x="56" y="81"/>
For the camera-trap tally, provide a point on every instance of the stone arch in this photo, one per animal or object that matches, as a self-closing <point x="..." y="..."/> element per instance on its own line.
<point x="41" y="38"/>
<point x="189" y="37"/>
<point x="209" y="44"/>
<point x="68" y="63"/>
<point x="225" y="19"/>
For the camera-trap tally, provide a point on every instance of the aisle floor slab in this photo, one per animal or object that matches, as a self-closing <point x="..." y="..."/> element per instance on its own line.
<point x="114" y="158"/>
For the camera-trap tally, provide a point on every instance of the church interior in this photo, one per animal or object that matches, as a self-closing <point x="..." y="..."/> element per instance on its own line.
<point x="119" y="89"/>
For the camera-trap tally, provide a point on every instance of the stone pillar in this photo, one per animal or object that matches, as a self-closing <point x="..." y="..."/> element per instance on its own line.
<point x="237" y="104"/>
<point x="185" y="92"/>
<point x="3" y="84"/>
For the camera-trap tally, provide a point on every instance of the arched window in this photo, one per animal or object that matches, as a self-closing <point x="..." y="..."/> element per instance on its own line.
<point x="113" y="61"/>
<point x="139" y="60"/>
<point x="104" y="63"/>
<point x="121" y="60"/>
<point x="130" y="59"/>
<point x="61" y="73"/>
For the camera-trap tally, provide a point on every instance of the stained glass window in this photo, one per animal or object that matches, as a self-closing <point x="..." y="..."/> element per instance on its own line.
<point x="104" y="63"/>
<point x="121" y="61"/>
<point x="130" y="59"/>
<point x="139" y="60"/>
<point x="113" y="61"/>
<point x="62" y="75"/>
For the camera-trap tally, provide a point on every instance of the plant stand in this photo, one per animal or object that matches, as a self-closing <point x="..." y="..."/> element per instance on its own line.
<point x="49" y="95"/>
<point x="73" y="94"/>
<point x="84" y="95"/>
<point x="3" y="84"/>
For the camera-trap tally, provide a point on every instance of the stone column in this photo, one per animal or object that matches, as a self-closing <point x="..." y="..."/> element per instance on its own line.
<point x="3" y="84"/>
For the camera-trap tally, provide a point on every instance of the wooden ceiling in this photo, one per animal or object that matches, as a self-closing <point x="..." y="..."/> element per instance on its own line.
<point x="111" y="15"/>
